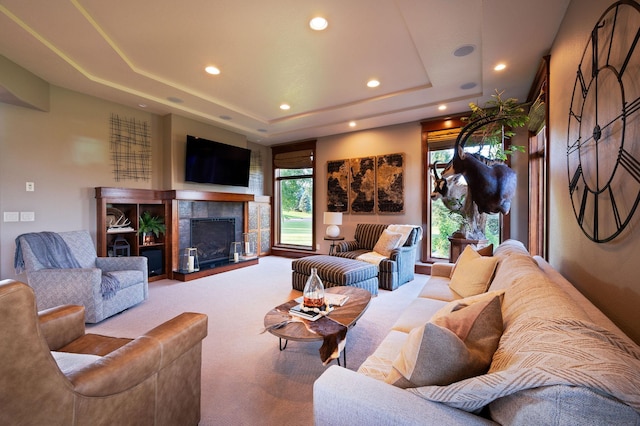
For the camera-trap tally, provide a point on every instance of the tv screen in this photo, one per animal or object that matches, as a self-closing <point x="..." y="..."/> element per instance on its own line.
<point x="214" y="162"/>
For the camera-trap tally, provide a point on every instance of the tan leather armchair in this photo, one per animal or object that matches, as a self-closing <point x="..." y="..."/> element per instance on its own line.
<point x="52" y="373"/>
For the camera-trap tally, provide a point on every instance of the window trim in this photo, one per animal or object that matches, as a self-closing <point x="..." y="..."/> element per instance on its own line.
<point x="309" y="145"/>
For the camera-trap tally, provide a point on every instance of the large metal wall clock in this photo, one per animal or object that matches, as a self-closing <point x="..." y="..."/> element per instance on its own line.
<point x="603" y="141"/>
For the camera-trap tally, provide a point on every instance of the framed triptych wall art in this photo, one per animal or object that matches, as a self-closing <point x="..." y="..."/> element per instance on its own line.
<point x="366" y="185"/>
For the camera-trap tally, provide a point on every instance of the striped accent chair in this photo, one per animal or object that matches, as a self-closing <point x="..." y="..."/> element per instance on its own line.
<point x="398" y="269"/>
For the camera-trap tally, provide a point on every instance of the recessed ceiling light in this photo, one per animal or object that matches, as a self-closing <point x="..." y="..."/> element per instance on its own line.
<point x="212" y="70"/>
<point x="373" y="83"/>
<point x="467" y="86"/>
<point x="500" y="67"/>
<point x="464" y="50"/>
<point x="175" y="100"/>
<point x="142" y="105"/>
<point x="442" y="107"/>
<point x="225" y="117"/>
<point x="352" y="124"/>
<point x="262" y="130"/>
<point x="318" y="23"/>
<point x="285" y="106"/>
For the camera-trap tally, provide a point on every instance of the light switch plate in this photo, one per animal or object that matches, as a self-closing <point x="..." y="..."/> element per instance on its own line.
<point x="31" y="186"/>
<point x="27" y="216"/>
<point x="11" y="216"/>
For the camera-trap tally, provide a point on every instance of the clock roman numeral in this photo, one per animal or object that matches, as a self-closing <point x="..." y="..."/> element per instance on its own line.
<point x="631" y="50"/>
<point x="583" y="84"/>
<point x="630" y="164"/>
<point x="631" y="107"/>
<point x="595" y="216"/>
<point x="614" y="206"/>
<point x="575" y="179"/>
<point x="583" y="205"/>
<point x="594" y="51"/>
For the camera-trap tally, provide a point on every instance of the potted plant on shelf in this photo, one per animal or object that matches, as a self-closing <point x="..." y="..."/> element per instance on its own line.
<point x="150" y="227"/>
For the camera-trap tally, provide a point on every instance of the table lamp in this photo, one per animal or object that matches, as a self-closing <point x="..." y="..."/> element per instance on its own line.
<point x="333" y="219"/>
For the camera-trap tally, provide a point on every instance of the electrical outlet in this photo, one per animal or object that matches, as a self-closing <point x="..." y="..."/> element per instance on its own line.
<point x="11" y="216"/>
<point x="31" y="186"/>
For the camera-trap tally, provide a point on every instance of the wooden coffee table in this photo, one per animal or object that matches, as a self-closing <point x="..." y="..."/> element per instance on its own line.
<point x="347" y="315"/>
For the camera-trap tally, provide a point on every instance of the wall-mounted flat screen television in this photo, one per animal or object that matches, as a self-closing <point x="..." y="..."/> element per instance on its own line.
<point x="218" y="163"/>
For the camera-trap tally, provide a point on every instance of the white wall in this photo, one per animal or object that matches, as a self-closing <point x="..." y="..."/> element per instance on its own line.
<point x="606" y="273"/>
<point x="65" y="152"/>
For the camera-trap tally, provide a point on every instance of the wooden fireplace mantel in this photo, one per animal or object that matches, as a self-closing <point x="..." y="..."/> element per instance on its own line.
<point x="209" y="196"/>
<point x="163" y="203"/>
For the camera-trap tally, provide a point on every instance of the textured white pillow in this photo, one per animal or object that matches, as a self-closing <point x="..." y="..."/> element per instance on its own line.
<point x="473" y="273"/>
<point x="388" y="241"/>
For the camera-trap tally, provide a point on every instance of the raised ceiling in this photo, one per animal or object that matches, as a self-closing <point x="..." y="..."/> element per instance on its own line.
<point x="153" y="53"/>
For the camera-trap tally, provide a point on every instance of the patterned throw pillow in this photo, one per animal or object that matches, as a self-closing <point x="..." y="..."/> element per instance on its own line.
<point x="451" y="348"/>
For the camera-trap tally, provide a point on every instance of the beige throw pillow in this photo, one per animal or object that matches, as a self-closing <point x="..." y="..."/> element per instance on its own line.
<point x="388" y="241"/>
<point x="452" y="348"/>
<point x="473" y="273"/>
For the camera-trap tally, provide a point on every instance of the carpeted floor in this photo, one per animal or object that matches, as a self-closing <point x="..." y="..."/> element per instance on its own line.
<point x="246" y="380"/>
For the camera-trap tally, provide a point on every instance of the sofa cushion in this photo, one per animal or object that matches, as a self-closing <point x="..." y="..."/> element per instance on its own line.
<point x="473" y="273"/>
<point x="438" y="288"/>
<point x="69" y="362"/>
<point x="417" y="314"/>
<point x="388" y="241"/>
<point x="451" y="348"/>
<point x="566" y="405"/>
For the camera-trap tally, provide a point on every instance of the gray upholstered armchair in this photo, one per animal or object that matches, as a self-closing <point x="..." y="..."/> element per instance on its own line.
<point x="103" y="285"/>
<point x="395" y="270"/>
<point x="52" y="373"/>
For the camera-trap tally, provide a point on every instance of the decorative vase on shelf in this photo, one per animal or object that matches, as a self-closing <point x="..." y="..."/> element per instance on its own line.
<point x="313" y="293"/>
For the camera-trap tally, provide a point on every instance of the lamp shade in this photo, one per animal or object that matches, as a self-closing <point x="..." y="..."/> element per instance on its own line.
<point x="333" y="219"/>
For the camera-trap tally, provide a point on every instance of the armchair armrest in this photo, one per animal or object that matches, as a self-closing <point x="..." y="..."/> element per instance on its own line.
<point x="179" y="334"/>
<point x="343" y="246"/>
<point x="442" y="269"/>
<point x="129" y="365"/>
<point x="129" y="263"/>
<point x="62" y="325"/>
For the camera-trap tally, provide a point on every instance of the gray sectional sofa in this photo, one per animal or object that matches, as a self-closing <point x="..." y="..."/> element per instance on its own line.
<point x="559" y="360"/>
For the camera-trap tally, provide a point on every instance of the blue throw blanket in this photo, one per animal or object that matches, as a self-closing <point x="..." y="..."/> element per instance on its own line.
<point x="53" y="253"/>
<point x="49" y="248"/>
